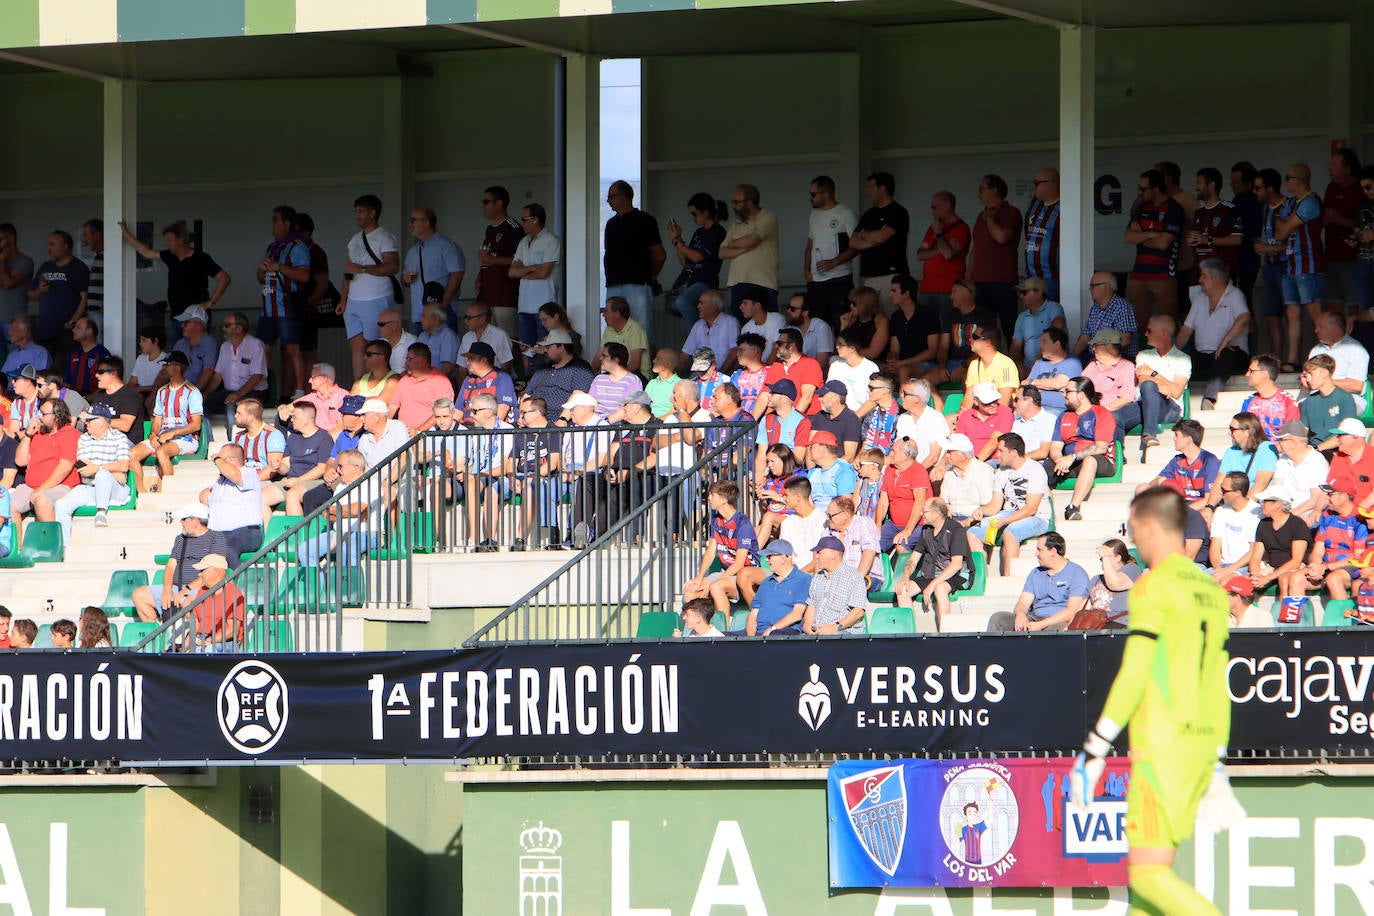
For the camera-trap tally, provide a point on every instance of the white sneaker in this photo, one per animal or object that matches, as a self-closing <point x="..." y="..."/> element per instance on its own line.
<point x="102" y="518"/>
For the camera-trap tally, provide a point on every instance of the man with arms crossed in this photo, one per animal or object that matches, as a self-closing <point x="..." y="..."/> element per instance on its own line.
<point x="1171" y="689"/>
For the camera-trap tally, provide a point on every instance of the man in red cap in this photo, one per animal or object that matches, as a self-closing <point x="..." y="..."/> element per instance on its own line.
<point x="1354" y="459"/>
<point x="1342" y="537"/>
<point x="830" y="475"/>
<point x="1244" y="612"/>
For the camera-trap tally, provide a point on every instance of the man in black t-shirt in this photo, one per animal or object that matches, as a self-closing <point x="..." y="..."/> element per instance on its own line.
<point x="189" y="271"/>
<point x="630" y="473"/>
<point x="533" y="464"/>
<point x="1281" y="540"/>
<point x="879" y="241"/>
<point x="915" y="331"/>
<point x="128" y="403"/>
<point x="634" y="254"/>
<point x="837" y="419"/>
<point x="956" y="332"/>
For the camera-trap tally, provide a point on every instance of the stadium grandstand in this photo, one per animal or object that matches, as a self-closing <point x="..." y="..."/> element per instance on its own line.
<point x="770" y="506"/>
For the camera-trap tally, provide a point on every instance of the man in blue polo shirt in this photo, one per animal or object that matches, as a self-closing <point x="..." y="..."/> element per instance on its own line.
<point x="781" y="597"/>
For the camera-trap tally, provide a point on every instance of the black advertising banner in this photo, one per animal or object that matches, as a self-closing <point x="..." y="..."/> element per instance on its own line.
<point x="954" y="695"/>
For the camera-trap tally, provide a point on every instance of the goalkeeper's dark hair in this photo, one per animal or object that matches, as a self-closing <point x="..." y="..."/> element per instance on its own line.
<point x="1165" y="506"/>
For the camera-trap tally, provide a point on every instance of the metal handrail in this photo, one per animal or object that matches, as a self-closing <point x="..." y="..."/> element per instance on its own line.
<point x="605" y="543"/>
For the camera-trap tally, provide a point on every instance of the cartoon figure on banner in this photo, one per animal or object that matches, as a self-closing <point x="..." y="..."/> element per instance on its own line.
<point x="980" y="817"/>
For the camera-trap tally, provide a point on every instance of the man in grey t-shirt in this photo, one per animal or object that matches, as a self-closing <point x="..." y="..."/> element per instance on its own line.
<point x="194" y="544"/>
<point x="14" y="283"/>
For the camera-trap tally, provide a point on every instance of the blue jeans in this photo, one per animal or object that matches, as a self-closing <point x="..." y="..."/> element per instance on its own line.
<point x="685" y="302"/>
<point x="1149" y="411"/>
<point x="1020" y="530"/>
<point x="531" y="331"/>
<point x="355" y="544"/>
<point x="102" y="492"/>
<point x="640" y="296"/>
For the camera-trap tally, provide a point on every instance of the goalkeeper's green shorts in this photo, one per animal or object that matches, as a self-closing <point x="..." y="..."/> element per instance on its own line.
<point x="1161" y="805"/>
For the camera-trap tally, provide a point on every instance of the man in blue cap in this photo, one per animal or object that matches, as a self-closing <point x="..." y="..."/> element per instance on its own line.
<point x="836" y="417"/>
<point x="778" y="605"/>
<point x="838" y="598"/>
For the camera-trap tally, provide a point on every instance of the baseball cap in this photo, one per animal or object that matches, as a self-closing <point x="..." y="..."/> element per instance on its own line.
<point x="834" y="386"/>
<point x="212" y="561"/>
<point x="1351" y="427"/>
<point x="181" y="359"/>
<point x="483" y="350"/>
<point x="985" y="392"/>
<point x="1107" y="335"/>
<point x="1294" y="428"/>
<point x="1272" y="493"/>
<point x="957" y="443"/>
<point x="194" y="510"/>
<point x="557" y="336"/>
<point x="1240" y="585"/>
<point x="1034" y="283"/>
<point x="25" y="371"/>
<point x="824" y="437"/>
<point x="641" y="398"/>
<point x="580" y="399"/>
<point x="1342" y="484"/>
<point x="778" y="548"/>
<point x="194" y="313"/>
<point x="374" y="405"/>
<point x="352" y="405"/>
<point x="702" y="359"/>
<point x="829" y="543"/>
<point x="784" y="388"/>
<point x="103" y="411"/>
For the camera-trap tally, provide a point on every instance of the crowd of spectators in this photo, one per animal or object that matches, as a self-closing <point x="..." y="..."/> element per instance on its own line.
<point x="930" y="417"/>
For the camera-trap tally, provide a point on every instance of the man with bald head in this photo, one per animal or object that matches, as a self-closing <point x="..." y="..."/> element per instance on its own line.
<point x="944" y="251"/>
<point x="390" y="329"/>
<point x="1042" y="230"/>
<point x="1299" y="226"/>
<point x="1109" y="310"/>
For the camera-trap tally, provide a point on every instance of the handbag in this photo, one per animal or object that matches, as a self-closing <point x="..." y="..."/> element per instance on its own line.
<point x="396" y="295"/>
<point x="1094" y="618"/>
<point x="432" y="290"/>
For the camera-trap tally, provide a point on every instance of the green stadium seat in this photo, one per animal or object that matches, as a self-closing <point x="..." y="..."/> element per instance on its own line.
<point x="738" y="619"/>
<point x="256" y="583"/>
<point x="953" y="402"/>
<point x="719" y="621"/>
<point x="135" y="631"/>
<point x="310" y="591"/>
<point x="119" y="595"/>
<point x="128" y="505"/>
<point x="1367" y="417"/>
<point x="267" y="634"/>
<point x="412" y="532"/>
<point x="44" y="638"/>
<point x="43" y="542"/>
<point x="657" y="625"/>
<point x="1115" y="478"/>
<point x="883" y="620"/>
<point x="1333" y="614"/>
<point x="892" y="570"/>
<point x="158" y="575"/>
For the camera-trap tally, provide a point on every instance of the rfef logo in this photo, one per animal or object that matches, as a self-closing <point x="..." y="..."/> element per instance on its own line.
<point x="252" y="706"/>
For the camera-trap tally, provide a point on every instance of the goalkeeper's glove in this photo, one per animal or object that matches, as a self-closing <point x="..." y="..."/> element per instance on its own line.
<point x="1088" y="766"/>
<point x="1219" y="808"/>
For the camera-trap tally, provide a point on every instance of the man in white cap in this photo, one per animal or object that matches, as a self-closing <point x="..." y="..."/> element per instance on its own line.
<point x="566" y="372"/>
<point x="102" y="462"/>
<point x="195" y="542"/>
<point x="1354" y="458"/>
<point x="968" y="485"/>
<point x="219" y="618"/>
<point x="584" y="455"/>
<point x="202" y="351"/>
<point x="382" y="437"/>
<point x="985" y="419"/>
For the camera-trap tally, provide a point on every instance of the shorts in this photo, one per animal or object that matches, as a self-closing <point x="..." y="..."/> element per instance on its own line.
<point x="272" y="329"/>
<point x="1023" y="529"/>
<point x="1300" y="289"/>
<point x="360" y="316"/>
<point x="21" y="497"/>
<point x="1339" y="286"/>
<point x="956" y="581"/>
<point x="1162" y="806"/>
<point x="187" y="444"/>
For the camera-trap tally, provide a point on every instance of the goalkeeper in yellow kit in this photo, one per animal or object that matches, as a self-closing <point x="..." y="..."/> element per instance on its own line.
<point x="1171" y="689"/>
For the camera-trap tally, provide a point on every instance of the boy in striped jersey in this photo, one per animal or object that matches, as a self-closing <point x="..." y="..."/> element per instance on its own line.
<point x="1342" y="537"/>
<point x="178" y="410"/>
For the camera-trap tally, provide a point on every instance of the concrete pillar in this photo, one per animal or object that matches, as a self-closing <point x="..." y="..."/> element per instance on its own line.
<point x="1340" y="97"/>
<point x="120" y="202"/>
<point x="1076" y="168"/>
<point x="398" y="159"/>
<point x="582" y="195"/>
<point x="856" y="138"/>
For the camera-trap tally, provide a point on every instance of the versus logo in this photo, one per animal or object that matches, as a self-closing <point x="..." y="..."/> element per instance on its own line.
<point x="813" y="703"/>
<point x="945" y="698"/>
<point x="252" y="706"/>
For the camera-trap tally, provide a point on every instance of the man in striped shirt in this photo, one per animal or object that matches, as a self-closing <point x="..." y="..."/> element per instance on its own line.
<point x="1155" y="228"/>
<point x="178" y="411"/>
<point x="85" y="355"/>
<point x="1042" y="231"/>
<point x="102" y="461"/>
<point x="1299" y="225"/>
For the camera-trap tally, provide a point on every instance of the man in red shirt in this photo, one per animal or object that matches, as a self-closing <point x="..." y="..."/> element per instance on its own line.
<point x="418" y="389"/>
<point x="49" y="454"/>
<point x="1354" y="459"/>
<point x="902" y="496"/>
<point x="1084" y="445"/>
<point x="219" y="618"/>
<point x="996" y="252"/>
<point x="987" y="419"/>
<point x="803" y="371"/>
<point x="1340" y="204"/>
<point x="944" y="249"/>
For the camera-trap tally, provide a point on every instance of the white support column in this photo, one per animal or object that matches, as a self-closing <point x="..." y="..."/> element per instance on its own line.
<point x="582" y="198"/>
<point x="1076" y="168"/>
<point x="120" y="202"/>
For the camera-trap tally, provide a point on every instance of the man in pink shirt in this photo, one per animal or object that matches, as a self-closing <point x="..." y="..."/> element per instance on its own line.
<point x="985" y="420"/>
<point x="325" y="395"/>
<point x="413" y="400"/>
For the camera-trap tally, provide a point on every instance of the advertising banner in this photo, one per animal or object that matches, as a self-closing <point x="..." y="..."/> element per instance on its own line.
<point x="973" y="823"/>
<point x="974" y="696"/>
